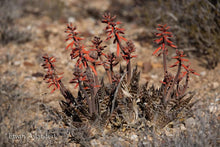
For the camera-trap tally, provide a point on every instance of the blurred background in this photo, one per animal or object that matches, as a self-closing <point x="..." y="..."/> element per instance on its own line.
<point x="195" y="23"/>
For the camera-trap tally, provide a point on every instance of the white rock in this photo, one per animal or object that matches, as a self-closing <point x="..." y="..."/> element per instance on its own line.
<point x="133" y="137"/>
<point x="213" y="108"/>
<point x="71" y="20"/>
<point x="121" y="139"/>
<point x="154" y="76"/>
<point x="215" y="85"/>
<point x="217" y="100"/>
<point x="95" y="142"/>
<point x="182" y="127"/>
<point x="34" y="78"/>
<point x="190" y="122"/>
<point x="16" y="63"/>
<point x="203" y="73"/>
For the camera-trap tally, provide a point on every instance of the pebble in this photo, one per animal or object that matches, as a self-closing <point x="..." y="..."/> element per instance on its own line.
<point x="215" y="85"/>
<point x="95" y="142"/>
<point x="182" y="127"/>
<point x="213" y="108"/>
<point x="121" y="139"/>
<point x="154" y="76"/>
<point x="134" y="137"/>
<point x="28" y="63"/>
<point x="37" y="74"/>
<point x="16" y="63"/>
<point x="71" y="20"/>
<point x="203" y="73"/>
<point x="30" y="78"/>
<point x="217" y="100"/>
<point x="169" y="133"/>
<point x="190" y="122"/>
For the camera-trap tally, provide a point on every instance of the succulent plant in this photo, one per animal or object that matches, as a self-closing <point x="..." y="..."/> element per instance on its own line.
<point x="121" y="103"/>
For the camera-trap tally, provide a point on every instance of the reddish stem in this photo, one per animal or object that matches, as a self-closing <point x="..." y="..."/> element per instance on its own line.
<point x="167" y="97"/>
<point x="164" y="59"/>
<point x="129" y="63"/>
<point x="107" y="71"/>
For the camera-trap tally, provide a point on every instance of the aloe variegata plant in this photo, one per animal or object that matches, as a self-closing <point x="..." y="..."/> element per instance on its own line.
<point x="122" y="101"/>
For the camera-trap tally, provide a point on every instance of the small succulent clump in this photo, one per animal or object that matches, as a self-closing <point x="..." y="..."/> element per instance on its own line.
<point x="121" y="103"/>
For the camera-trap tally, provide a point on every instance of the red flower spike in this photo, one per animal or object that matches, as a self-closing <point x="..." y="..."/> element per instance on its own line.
<point x="128" y="50"/>
<point x="164" y="39"/>
<point x="96" y="52"/>
<point x="97" y="46"/>
<point x="72" y="35"/>
<point x="111" y="61"/>
<point x="82" y="55"/>
<point x="180" y="59"/>
<point x="113" y="31"/>
<point x="51" y="75"/>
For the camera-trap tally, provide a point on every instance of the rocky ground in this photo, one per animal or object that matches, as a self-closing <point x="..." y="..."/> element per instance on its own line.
<point x="20" y="64"/>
